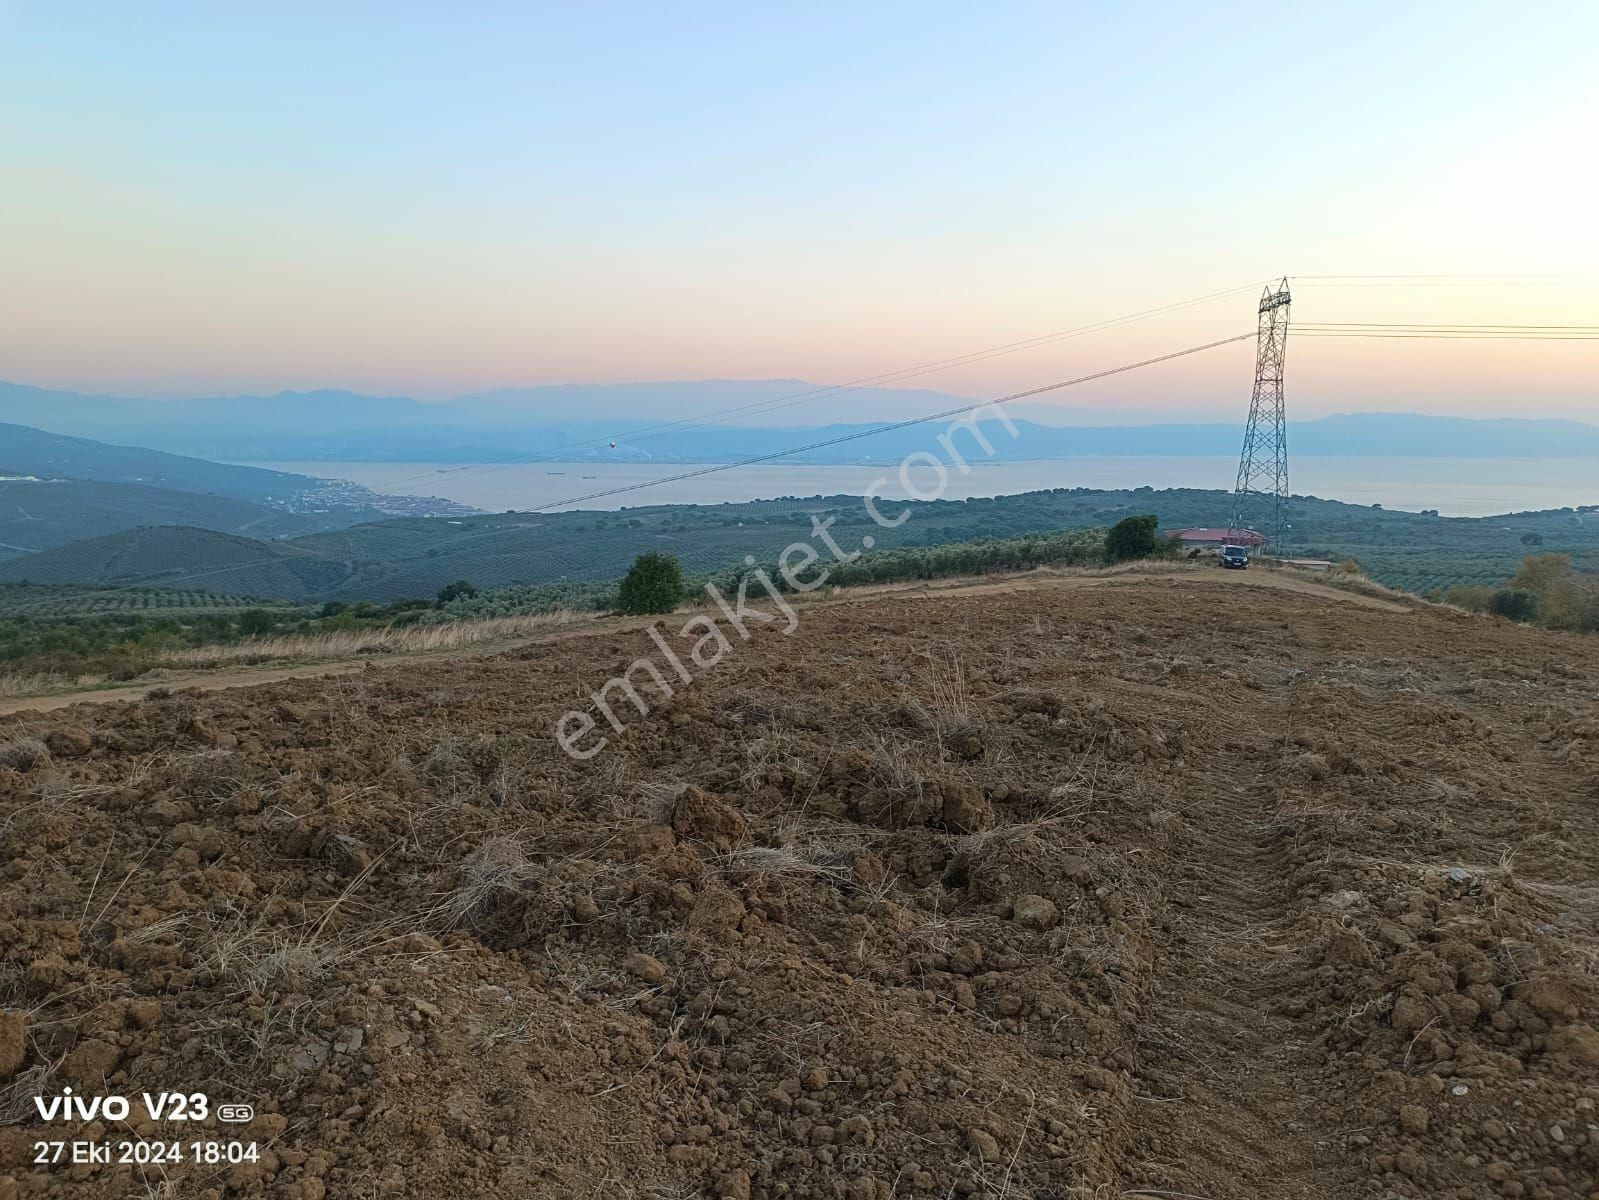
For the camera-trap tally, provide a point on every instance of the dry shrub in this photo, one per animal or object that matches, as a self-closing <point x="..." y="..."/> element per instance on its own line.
<point x="212" y="774"/>
<point x="24" y="754"/>
<point x="292" y="967"/>
<point x="656" y="801"/>
<point x="443" y="758"/>
<point x="345" y="852"/>
<point x="816" y="861"/>
<point x="897" y="768"/>
<point x="487" y="876"/>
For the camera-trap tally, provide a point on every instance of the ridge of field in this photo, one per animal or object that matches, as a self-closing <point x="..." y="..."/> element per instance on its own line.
<point x="414" y="557"/>
<point x="1164" y="886"/>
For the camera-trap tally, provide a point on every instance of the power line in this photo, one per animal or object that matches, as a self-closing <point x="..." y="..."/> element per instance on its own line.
<point x="1447" y="336"/>
<point x="1309" y="329"/>
<point x="856" y="436"/>
<point x="916" y="371"/>
<point x="1446" y="281"/>
<point x="771" y="457"/>
<point x="899" y="375"/>
<point x="1441" y="326"/>
<point x="1552" y="278"/>
<point x="1448" y="331"/>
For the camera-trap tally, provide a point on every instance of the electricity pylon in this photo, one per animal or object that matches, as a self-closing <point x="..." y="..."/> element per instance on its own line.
<point x="1262" y="489"/>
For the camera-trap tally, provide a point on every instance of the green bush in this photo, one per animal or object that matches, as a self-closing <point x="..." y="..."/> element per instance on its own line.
<point x="1132" y="537"/>
<point x="1515" y="604"/>
<point x="454" y="591"/>
<point x="654" y="584"/>
<point x="1473" y="597"/>
<point x="255" y="621"/>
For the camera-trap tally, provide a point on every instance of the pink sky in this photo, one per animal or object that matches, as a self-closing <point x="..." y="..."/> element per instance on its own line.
<point x="427" y="206"/>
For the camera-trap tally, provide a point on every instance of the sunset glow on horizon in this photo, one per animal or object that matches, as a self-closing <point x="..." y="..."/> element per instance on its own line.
<point x="405" y="201"/>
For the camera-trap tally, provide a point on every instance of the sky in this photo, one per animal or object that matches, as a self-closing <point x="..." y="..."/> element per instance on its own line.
<point x="433" y="200"/>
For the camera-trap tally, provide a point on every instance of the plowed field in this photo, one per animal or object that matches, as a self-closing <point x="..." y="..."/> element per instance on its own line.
<point x="1165" y="887"/>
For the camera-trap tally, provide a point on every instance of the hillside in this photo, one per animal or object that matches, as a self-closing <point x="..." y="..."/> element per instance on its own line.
<point x="1163" y="888"/>
<point x="215" y="491"/>
<point x="27" y="451"/>
<point x="178" y="556"/>
<point x="414" y="557"/>
<point x="39" y="514"/>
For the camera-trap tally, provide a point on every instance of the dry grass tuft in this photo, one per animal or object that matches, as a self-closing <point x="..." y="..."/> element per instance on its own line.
<point x="291" y="967"/>
<point x="443" y="758"/>
<point x="656" y="801"/>
<point x="407" y="639"/>
<point x="16" y="1097"/>
<point x="19" y="683"/>
<point x="213" y="774"/>
<point x="24" y="754"/>
<point x="896" y="767"/>
<point x="813" y="861"/>
<point x="951" y="702"/>
<point x="494" y="869"/>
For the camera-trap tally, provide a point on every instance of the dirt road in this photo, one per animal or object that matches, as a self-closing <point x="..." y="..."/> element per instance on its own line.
<point x="1195" y="886"/>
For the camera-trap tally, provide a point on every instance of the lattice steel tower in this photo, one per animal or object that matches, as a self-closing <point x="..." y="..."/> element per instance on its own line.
<point x="1262" y="488"/>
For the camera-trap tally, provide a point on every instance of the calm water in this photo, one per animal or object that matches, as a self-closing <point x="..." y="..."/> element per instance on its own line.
<point x="1467" y="487"/>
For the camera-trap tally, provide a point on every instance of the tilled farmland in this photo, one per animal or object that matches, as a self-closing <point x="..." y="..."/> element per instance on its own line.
<point x="1166" y="887"/>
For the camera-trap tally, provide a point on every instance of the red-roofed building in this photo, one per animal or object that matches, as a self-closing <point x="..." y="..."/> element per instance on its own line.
<point x="1207" y="536"/>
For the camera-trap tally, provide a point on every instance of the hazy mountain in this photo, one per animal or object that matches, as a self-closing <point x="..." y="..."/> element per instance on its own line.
<point x="113" y="417"/>
<point x="776" y="403"/>
<point x="576" y="422"/>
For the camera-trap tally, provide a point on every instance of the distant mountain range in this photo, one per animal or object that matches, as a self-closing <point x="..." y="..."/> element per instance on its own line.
<point x="658" y="422"/>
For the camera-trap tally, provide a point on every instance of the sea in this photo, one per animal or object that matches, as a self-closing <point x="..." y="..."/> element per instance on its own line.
<point x="1456" y="487"/>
